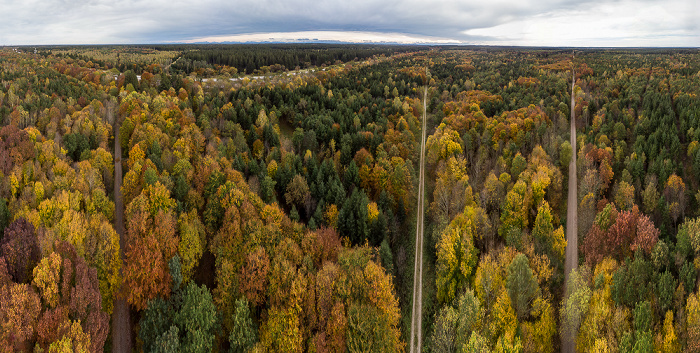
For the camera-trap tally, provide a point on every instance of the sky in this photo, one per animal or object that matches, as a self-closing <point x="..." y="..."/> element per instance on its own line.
<point x="571" y="23"/>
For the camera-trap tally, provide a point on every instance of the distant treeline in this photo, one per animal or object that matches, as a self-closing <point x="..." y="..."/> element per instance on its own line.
<point x="245" y="58"/>
<point x="250" y="57"/>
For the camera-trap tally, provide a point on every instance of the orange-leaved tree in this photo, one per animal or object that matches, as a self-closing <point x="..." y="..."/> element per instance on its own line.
<point x="151" y="243"/>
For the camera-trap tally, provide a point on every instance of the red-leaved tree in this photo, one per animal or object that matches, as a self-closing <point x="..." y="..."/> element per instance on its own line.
<point x="618" y="234"/>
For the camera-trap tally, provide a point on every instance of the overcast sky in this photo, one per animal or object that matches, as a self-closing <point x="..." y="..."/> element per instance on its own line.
<point x="668" y="23"/>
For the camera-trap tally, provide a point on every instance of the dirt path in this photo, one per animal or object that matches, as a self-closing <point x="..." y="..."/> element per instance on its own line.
<point x="121" y="323"/>
<point x="568" y="343"/>
<point x="416" y="316"/>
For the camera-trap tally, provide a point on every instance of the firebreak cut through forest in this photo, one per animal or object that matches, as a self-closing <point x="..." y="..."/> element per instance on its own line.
<point x="269" y="199"/>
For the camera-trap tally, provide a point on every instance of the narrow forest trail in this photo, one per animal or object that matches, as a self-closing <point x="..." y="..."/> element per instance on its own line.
<point x="416" y="316"/>
<point x="121" y="325"/>
<point x="569" y="343"/>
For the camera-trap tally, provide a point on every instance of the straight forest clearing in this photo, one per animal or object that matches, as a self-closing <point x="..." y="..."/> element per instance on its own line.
<point x="569" y="343"/>
<point x="121" y="330"/>
<point x="416" y="316"/>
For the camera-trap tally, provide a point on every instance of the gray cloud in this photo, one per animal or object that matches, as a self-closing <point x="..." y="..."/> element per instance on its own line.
<point x="521" y="22"/>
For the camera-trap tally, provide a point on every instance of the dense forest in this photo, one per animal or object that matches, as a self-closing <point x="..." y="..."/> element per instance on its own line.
<point x="278" y="212"/>
<point x="223" y="60"/>
<point x="249" y="58"/>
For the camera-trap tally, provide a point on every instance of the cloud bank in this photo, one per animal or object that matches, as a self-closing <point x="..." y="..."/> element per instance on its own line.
<point x="497" y="22"/>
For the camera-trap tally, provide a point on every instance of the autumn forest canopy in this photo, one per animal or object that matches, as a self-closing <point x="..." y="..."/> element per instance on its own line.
<point x="262" y="198"/>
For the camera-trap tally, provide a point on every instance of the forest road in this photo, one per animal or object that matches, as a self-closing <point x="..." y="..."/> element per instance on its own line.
<point x="416" y="316"/>
<point x="568" y="343"/>
<point x="121" y="325"/>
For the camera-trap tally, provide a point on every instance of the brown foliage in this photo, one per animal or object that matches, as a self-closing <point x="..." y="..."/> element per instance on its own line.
<point x="528" y="81"/>
<point x="4" y="274"/>
<point x="309" y="306"/>
<point x="327" y="245"/>
<point x="647" y="235"/>
<point x="146" y="274"/>
<point x="297" y="191"/>
<point x="15" y="148"/>
<point x="80" y="301"/>
<point x="325" y="281"/>
<point x="562" y="65"/>
<point x="149" y="249"/>
<point x="336" y="328"/>
<point x="363" y="157"/>
<point x="601" y="159"/>
<point x="86" y="305"/>
<point x="283" y="274"/>
<point x="628" y="231"/>
<point x="253" y="276"/>
<point x="49" y="326"/>
<point x="19" y="311"/>
<point x="320" y="344"/>
<point x="151" y="243"/>
<point x="20" y="248"/>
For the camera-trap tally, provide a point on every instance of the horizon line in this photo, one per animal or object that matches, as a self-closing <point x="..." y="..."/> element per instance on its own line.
<point x="368" y="43"/>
